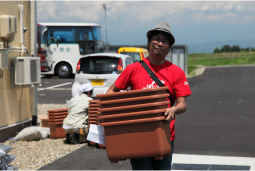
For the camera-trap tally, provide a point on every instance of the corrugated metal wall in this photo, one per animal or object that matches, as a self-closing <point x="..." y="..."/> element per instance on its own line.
<point x="15" y="102"/>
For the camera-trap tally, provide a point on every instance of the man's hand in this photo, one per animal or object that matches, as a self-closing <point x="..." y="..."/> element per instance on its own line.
<point x="179" y="108"/>
<point x="169" y="114"/>
<point x="112" y="89"/>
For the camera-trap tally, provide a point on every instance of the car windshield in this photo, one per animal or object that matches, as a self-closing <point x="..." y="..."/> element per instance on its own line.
<point x="99" y="65"/>
<point x="134" y="55"/>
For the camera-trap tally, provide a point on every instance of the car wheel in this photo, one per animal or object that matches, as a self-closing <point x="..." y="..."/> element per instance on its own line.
<point x="64" y="70"/>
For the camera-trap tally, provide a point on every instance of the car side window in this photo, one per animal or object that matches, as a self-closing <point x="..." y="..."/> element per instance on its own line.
<point x="128" y="61"/>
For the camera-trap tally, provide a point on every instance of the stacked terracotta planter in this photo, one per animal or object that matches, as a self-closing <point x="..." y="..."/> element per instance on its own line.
<point x="93" y="109"/>
<point x="93" y="118"/>
<point x="55" y="121"/>
<point x="134" y="124"/>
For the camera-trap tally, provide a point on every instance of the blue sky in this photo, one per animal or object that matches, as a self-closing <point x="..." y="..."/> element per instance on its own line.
<point x="193" y="23"/>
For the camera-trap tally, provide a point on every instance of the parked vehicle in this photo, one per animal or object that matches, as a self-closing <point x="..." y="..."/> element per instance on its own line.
<point x="42" y="47"/>
<point x="68" y="42"/>
<point x="136" y="53"/>
<point x="100" y="70"/>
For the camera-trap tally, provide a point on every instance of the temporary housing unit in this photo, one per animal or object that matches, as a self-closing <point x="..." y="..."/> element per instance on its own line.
<point x="19" y="67"/>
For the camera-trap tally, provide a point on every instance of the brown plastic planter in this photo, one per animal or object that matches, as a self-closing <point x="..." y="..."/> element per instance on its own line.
<point x="93" y="112"/>
<point x="56" y="120"/>
<point x="149" y="137"/>
<point x="131" y="94"/>
<point x="134" y="108"/>
<point x="134" y="123"/>
<point x="93" y="119"/>
<point x="93" y="109"/>
<point x="93" y="101"/>
<point x="91" y="143"/>
<point x="132" y="116"/>
<point x="57" y="116"/>
<point x="58" y="110"/>
<point x="93" y="105"/>
<point x="93" y="122"/>
<point x="56" y="130"/>
<point x="102" y="146"/>
<point x="58" y="113"/>
<point x="134" y="100"/>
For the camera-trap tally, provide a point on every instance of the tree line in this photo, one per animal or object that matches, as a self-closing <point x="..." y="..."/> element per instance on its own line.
<point x="235" y="48"/>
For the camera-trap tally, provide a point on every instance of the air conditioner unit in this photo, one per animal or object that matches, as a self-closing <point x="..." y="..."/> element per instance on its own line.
<point x="27" y="70"/>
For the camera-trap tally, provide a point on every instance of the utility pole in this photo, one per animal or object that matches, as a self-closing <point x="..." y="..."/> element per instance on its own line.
<point x="106" y="41"/>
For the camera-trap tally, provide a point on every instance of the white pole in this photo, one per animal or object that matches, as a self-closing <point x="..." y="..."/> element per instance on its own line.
<point x="21" y="10"/>
<point x="106" y="41"/>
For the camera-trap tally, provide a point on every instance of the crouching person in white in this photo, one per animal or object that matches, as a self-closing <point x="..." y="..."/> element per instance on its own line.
<point x="76" y="122"/>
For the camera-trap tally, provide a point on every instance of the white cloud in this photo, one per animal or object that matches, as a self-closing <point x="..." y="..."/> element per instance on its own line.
<point x="127" y="18"/>
<point x="144" y="11"/>
<point x="69" y="11"/>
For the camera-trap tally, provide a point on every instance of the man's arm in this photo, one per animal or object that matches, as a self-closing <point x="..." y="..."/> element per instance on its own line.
<point x="112" y="89"/>
<point x="178" y="109"/>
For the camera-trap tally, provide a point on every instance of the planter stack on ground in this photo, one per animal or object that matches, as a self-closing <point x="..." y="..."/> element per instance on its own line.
<point x="93" y="109"/>
<point x="55" y="122"/>
<point x="134" y="124"/>
<point x="93" y="118"/>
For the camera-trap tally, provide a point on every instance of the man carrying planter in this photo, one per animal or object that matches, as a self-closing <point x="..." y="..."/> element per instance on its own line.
<point x="76" y="122"/>
<point x="161" y="73"/>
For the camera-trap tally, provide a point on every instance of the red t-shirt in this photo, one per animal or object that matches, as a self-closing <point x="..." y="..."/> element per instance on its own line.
<point x="169" y="74"/>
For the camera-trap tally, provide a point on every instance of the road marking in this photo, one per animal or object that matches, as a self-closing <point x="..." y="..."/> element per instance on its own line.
<point x="60" y="89"/>
<point x="52" y="87"/>
<point x="220" y="160"/>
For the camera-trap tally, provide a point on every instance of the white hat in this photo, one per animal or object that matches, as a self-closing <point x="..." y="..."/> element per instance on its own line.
<point x="84" y="88"/>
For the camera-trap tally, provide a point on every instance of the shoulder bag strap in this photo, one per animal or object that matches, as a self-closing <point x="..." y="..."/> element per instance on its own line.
<point x="156" y="79"/>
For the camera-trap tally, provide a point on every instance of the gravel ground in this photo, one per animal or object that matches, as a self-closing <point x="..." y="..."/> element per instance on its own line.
<point x="32" y="155"/>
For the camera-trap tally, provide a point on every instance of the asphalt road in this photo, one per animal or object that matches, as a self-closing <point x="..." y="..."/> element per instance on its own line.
<point x="219" y="121"/>
<point x="55" y="90"/>
<point x="220" y="117"/>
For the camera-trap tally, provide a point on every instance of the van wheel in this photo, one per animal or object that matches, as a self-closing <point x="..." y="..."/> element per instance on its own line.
<point x="64" y="70"/>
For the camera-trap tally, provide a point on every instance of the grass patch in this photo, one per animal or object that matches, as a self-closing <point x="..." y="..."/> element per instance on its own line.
<point x="220" y="59"/>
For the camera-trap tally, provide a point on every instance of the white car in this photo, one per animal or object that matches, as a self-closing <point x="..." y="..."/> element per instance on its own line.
<point x="100" y="70"/>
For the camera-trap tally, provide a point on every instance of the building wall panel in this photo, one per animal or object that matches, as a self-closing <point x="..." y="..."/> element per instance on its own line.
<point x="15" y="102"/>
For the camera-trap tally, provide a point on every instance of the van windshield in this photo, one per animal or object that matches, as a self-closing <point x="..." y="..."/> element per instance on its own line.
<point x="98" y="65"/>
<point x="134" y="55"/>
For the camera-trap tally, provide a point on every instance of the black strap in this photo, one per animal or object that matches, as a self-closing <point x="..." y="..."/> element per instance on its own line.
<point x="155" y="78"/>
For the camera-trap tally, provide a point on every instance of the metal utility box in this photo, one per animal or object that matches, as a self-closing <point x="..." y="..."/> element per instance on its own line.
<point x="3" y="58"/>
<point x="179" y="57"/>
<point x="27" y="70"/>
<point x="8" y="26"/>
